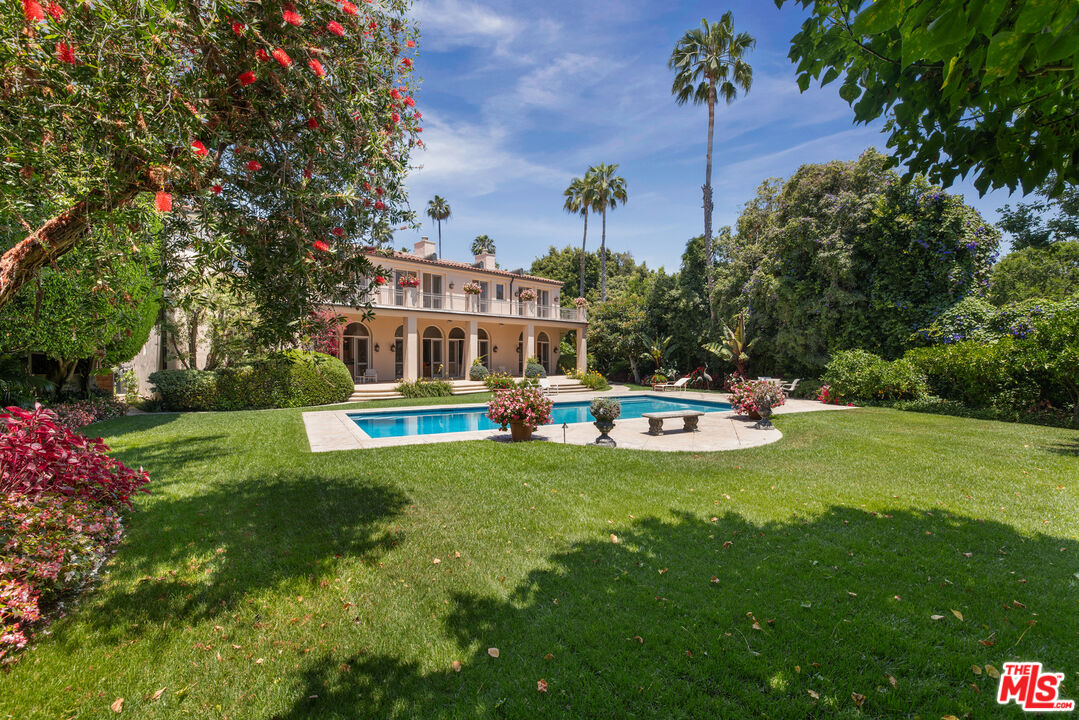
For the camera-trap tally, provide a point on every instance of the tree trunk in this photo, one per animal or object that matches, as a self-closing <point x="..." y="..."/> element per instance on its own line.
<point x="584" y="242"/>
<point x="636" y="370"/>
<point x="708" y="199"/>
<point x="603" y="257"/>
<point x="21" y="263"/>
<point x="439" y="239"/>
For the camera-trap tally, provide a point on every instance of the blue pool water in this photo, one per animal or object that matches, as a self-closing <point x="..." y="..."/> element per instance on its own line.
<point x="401" y="423"/>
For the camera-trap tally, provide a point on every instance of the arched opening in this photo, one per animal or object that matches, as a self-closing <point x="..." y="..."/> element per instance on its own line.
<point x="484" y="348"/>
<point x="399" y="352"/>
<point x="433" y="364"/>
<point x="456" y="351"/>
<point x="356" y="350"/>
<point x="543" y="351"/>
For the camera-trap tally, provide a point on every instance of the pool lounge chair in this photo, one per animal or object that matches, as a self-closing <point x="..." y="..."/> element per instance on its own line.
<point x="676" y="385"/>
<point x="545" y="386"/>
<point x="789" y="387"/>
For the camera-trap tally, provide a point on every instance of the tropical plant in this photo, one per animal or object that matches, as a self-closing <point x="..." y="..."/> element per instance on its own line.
<point x="439" y="210"/>
<point x="483" y="244"/>
<point x="709" y="63"/>
<point x="986" y="88"/>
<point x="655" y="349"/>
<point x="579" y="201"/>
<point x="735" y="346"/>
<point x="278" y="134"/>
<point x="607" y="191"/>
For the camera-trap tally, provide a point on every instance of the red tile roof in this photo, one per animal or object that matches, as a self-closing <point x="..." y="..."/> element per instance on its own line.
<point x="397" y="255"/>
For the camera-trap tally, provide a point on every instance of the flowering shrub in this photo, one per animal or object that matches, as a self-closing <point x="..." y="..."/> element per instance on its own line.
<point x="499" y="381"/>
<point x="593" y="379"/>
<point x="700" y="378"/>
<point x="580" y="302"/>
<point x="824" y="395"/>
<point x="79" y="413"/>
<point x="747" y="395"/>
<point x="527" y="295"/>
<point x="48" y="546"/>
<point x="39" y="456"/>
<point x="525" y="405"/>
<point x="325" y="329"/>
<point x="472" y="288"/>
<point x="409" y="281"/>
<point x="605" y="409"/>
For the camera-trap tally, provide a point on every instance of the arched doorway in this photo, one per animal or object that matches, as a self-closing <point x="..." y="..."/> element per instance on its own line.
<point x="484" y="349"/>
<point x="432" y="360"/>
<point x="456" y="352"/>
<point x="543" y="351"/>
<point x="399" y="352"/>
<point x="356" y="350"/>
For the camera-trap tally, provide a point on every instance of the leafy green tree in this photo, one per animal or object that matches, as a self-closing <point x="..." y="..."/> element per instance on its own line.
<point x="1051" y="272"/>
<point x="1048" y="220"/>
<point x="845" y="256"/>
<point x="483" y="244"/>
<point x="579" y="201"/>
<point x="281" y="134"/>
<point x="709" y="63"/>
<point x="616" y="333"/>
<point x="438" y="210"/>
<point x="625" y="275"/>
<point x="987" y="88"/>
<point x="608" y="191"/>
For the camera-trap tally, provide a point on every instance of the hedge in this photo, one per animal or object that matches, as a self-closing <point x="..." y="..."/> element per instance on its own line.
<point x="291" y="378"/>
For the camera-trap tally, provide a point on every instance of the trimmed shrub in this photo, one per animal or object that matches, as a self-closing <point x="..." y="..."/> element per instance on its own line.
<point x="424" y="388"/>
<point x="478" y="373"/>
<point x="186" y="389"/>
<point x="970" y="372"/>
<point x="534" y="370"/>
<point x="860" y="375"/>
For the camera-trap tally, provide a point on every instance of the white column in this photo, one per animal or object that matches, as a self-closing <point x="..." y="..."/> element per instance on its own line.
<point x="412" y="349"/>
<point x="473" y="345"/>
<point x="530" y="341"/>
<point x="582" y="350"/>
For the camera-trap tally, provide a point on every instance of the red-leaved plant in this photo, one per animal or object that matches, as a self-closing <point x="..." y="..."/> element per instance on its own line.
<point x="40" y="456"/>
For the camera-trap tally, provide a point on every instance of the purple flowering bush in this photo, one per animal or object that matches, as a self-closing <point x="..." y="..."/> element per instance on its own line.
<point x="525" y="405"/>
<point x="80" y="413"/>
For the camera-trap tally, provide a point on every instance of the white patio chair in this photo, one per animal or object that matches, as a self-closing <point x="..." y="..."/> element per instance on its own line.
<point x="676" y="385"/>
<point x="370" y="376"/>
<point x="789" y="387"/>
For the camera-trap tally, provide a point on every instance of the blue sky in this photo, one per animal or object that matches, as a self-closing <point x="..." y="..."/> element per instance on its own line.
<point x="519" y="98"/>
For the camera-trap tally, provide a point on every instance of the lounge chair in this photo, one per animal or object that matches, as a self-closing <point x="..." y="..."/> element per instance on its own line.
<point x="789" y="387"/>
<point x="545" y="386"/>
<point x="676" y="385"/>
<point x="370" y="376"/>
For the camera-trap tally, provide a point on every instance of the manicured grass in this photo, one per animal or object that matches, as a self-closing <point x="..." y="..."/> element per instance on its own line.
<point x="262" y="581"/>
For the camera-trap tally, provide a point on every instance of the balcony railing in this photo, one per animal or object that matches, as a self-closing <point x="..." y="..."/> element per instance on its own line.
<point x="416" y="299"/>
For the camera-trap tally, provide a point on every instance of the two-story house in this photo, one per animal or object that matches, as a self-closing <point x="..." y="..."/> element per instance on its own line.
<point x="427" y="325"/>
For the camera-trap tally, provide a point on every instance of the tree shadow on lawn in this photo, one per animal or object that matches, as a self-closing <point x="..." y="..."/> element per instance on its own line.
<point x="195" y="557"/>
<point x="661" y="624"/>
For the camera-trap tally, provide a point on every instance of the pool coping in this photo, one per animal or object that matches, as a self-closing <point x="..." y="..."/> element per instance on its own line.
<point x="333" y="430"/>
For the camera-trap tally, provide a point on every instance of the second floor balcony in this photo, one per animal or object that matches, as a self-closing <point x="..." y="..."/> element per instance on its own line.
<point x="409" y="298"/>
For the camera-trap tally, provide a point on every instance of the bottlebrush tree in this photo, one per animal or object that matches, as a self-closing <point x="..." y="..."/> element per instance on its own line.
<point x="273" y="136"/>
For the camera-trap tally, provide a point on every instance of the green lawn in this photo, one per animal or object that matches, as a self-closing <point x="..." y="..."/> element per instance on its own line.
<point x="261" y="581"/>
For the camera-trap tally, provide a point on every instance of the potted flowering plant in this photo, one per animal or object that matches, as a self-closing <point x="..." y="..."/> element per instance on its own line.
<point x="472" y="288"/>
<point x="523" y="409"/>
<point x="605" y="411"/>
<point x="527" y="295"/>
<point x="580" y="303"/>
<point x="754" y="398"/>
<point x="409" y="281"/>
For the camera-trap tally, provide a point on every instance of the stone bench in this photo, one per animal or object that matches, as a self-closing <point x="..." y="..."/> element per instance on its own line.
<point x="655" y="420"/>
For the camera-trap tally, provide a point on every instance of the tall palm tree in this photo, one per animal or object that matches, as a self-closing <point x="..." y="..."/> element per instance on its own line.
<point x="579" y="201"/>
<point x="607" y="190"/>
<point x="438" y="210"/>
<point x="483" y="244"/>
<point x="709" y="62"/>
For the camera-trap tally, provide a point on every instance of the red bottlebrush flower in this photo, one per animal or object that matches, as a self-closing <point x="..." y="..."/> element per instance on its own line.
<point x="367" y="202"/>
<point x="338" y="231"/>
<point x="316" y="67"/>
<point x="282" y="57"/>
<point x="380" y="205"/>
<point x="412" y="43"/>
<point x="335" y="28"/>
<point x="292" y="17"/>
<point x="367" y="186"/>
<point x="254" y="165"/>
<point x="55" y="11"/>
<point x="238" y="28"/>
<point x="419" y="129"/>
<point x="407" y="62"/>
<point x="418" y="115"/>
<point x="217" y="189"/>
<point x="373" y="25"/>
<point x="319" y="245"/>
<point x="395" y="93"/>
<point x="163" y="202"/>
<point x="307" y="174"/>
<point x="410" y="102"/>
<point x="395" y="117"/>
<point x="349" y="8"/>
<point x="312" y="123"/>
<point x="31" y="10"/>
<point x="379" y="280"/>
<point x="199" y="148"/>
<point x="247" y="78"/>
<point x="262" y="55"/>
<point x="64" y="53"/>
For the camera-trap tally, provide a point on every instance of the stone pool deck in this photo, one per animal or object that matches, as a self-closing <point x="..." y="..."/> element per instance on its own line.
<point x="333" y="430"/>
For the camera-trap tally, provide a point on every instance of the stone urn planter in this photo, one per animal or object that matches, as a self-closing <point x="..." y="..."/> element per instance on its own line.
<point x="520" y="432"/>
<point x="604" y="427"/>
<point x="605" y="411"/>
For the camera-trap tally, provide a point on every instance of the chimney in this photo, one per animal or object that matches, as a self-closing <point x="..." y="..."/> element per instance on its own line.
<point x="425" y="249"/>
<point x="486" y="261"/>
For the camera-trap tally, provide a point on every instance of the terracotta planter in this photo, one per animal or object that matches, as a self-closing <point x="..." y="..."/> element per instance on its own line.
<point x="520" y="432"/>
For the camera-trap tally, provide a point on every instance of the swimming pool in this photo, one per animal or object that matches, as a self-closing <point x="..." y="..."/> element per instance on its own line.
<point x="402" y="423"/>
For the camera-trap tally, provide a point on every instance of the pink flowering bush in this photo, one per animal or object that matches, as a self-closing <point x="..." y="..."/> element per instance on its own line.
<point x="326" y="327"/>
<point x="746" y="394"/>
<point x="525" y="405"/>
<point x="80" y="413"/>
<point x="48" y="546"/>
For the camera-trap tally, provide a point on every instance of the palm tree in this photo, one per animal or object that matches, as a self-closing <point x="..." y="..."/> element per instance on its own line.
<point x="483" y="244"/>
<point x="579" y="201"/>
<point x="607" y="190"/>
<point x="438" y="210"/>
<point x="709" y="62"/>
